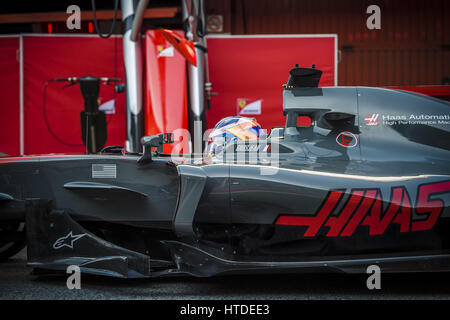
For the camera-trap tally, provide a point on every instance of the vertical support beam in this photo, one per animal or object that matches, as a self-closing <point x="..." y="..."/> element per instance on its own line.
<point x="21" y="98"/>
<point x="193" y="21"/>
<point x="132" y="53"/>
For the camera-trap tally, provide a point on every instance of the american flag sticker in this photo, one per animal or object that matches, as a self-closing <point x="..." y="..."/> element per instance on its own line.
<point x="104" y="171"/>
<point x="266" y="148"/>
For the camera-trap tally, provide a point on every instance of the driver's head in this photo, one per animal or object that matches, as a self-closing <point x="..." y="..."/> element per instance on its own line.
<point x="232" y="129"/>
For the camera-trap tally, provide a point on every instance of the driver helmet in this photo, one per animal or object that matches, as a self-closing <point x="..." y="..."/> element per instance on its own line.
<point x="231" y="129"/>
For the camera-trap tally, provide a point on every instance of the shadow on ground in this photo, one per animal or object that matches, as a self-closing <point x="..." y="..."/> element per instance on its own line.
<point x="16" y="282"/>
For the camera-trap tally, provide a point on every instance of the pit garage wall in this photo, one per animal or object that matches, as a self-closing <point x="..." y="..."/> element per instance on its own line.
<point x="44" y="57"/>
<point x="55" y="56"/>
<point x="10" y="95"/>
<point x="47" y="57"/>
<point x="412" y="47"/>
<point x="23" y="128"/>
<point x="252" y="69"/>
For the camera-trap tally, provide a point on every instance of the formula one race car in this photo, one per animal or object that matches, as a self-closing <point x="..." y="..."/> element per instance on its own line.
<point x="366" y="181"/>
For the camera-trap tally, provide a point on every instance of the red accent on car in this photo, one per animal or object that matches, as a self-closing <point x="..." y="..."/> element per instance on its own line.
<point x="337" y="223"/>
<point x="4" y="160"/>
<point x="377" y="222"/>
<point x="403" y="216"/>
<point x="313" y="222"/>
<point x="362" y="210"/>
<point x="364" y="207"/>
<point x="432" y="207"/>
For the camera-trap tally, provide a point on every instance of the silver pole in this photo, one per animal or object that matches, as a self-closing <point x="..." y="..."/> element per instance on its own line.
<point x="132" y="53"/>
<point x="138" y="18"/>
<point x="21" y="97"/>
<point x="191" y="16"/>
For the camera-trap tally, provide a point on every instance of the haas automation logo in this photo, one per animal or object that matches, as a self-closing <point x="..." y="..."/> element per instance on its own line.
<point x="372" y="119"/>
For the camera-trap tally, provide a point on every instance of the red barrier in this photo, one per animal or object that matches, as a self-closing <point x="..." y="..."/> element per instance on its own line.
<point x="47" y="57"/>
<point x="239" y="70"/>
<point x="10" y="96"/>
<point x="247" y="72"/>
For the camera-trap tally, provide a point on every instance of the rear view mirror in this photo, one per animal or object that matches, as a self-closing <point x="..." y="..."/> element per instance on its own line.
<point x="157" y="142"/>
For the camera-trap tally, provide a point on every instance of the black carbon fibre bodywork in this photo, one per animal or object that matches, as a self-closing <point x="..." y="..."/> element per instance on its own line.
<point x="367" y="183"/>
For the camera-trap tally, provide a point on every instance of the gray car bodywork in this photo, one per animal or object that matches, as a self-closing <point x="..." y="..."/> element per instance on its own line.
<point x="165" y="217"/>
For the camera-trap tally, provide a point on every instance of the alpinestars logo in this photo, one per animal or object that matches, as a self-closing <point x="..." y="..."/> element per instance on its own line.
<point x="372" y="119"/>
<point x="67" y="241"/>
